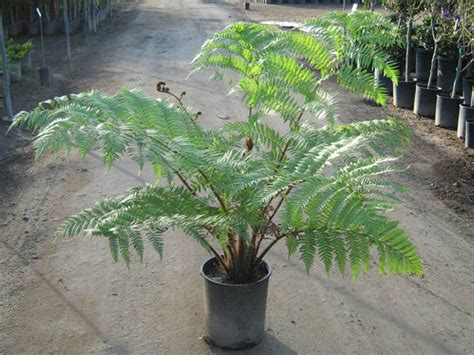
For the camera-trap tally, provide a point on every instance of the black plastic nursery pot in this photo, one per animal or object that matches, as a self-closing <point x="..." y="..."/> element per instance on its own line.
<point x="26" y="62"/>
<point x="466" y="113"/>
<point x="469" y="139"/>
<point x="446" y="73"/>
<point x="383" y="81"/>
<point x="32" y="28"/>
<point x="235" y="313"/>
<point x="44" y="76"/>
<point x="13" y="29"/>
<point x="404" y="94"/>
<point x="425" y="100"/>
<point x="467" y="84"/>
<point x="423" y="64"/>
<point x="50" y="27"/>
<point x="447" y="110"/>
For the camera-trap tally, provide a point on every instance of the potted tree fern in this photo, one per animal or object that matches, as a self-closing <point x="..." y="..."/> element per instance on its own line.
<point x="240" y="190"/>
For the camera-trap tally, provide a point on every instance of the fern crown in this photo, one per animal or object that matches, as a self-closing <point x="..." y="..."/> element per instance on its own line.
<point x="239" y="190"/>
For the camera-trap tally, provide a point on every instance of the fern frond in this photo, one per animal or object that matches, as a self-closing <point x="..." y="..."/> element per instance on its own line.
<point x="360" y="81"/>
<point x="323" y="189"/>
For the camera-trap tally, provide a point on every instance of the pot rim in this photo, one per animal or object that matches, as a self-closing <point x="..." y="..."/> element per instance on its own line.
<point x="425" y="86"/>
<point x="424" y="50"/>
<point x="444" y="58"/>
<point x="448" y="96"/>
<point x="207" y="278"/>
<point x="466" y="106"/>
<point x="414" y="80"/>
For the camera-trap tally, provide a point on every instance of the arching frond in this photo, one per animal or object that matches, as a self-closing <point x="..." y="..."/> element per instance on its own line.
<point x="323" y="188"/>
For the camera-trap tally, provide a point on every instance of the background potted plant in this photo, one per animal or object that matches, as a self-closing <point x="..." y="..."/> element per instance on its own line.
<point x="392" y="47"/>
<point x="241" y="189"/>
<point x="26" y="53"/>
<point x="466" y="110"/>
<point x="448" y="46"/>
<point x="32" y="26"/>
<point x="9" y="11"/>
<point x="447" y="105"/>
<point x="424" y="47"/>
<point x="426" y="95"/>
<point x="15" y="55"/>
<point x="404" y="90"/>
<point x="50" y="10"/>
<point x="468" y="34"/>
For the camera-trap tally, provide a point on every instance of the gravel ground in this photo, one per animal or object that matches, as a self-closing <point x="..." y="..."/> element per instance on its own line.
<point x="69" y="298"/>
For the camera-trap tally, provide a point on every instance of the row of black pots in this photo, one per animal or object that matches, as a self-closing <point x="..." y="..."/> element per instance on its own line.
<point x="445" y="70"/>
<point x="50" y="27"/>
<point x="449" y="112"/>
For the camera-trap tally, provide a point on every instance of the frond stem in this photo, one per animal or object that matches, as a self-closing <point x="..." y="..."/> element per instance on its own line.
<point x="218" y="197"/>
<point x="280" y="159"/>
<point x="219" y="259"/>
<point x="267" y="249"/>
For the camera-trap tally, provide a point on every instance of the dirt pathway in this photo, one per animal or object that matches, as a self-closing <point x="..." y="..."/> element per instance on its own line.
<point x="68" y="297"/>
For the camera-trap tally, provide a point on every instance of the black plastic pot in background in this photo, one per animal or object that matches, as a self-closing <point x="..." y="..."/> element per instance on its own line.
<point x="425" y="100"/>
<point x="50" y="27"/>
<point x="32" y="28"/>
<point x="447" y="110"/>
<point x="423" y="64"/>
<point x="235" y="313"/>
<point x="383" y="81"/>
<point x="469" y="135"/>
<point x="467" y="84"/>
<point x="13" y="29"/>
<point x="466" y="113"/>
<point x="404" y="94"/>
<point x="44" y="76"/>
<point x="26" y="62"/>
<point x="446" y="73"/>
<point x="412" y="62"/>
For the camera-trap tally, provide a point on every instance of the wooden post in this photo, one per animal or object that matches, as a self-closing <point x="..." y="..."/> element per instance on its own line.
<point x="6" y="74"/>
<point x="66" y="30"/>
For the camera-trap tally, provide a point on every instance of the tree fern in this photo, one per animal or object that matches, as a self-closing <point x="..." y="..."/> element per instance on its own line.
<point x="239" y="190"/>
